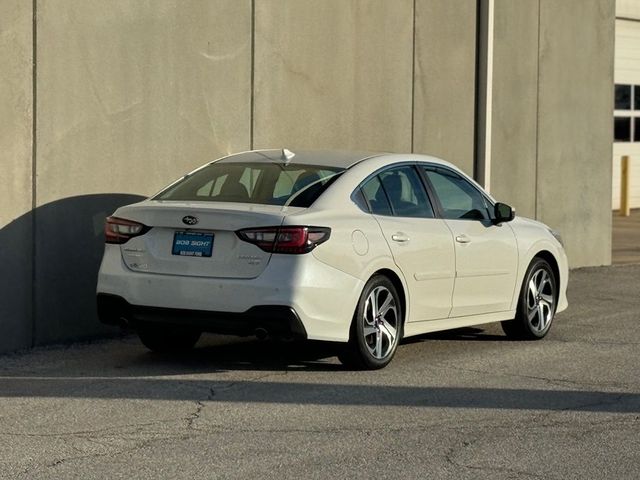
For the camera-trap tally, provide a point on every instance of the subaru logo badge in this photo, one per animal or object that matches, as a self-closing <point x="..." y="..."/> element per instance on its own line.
<point x="189" y="220"/>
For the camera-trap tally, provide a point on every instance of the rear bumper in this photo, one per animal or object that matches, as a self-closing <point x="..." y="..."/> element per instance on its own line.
<point x="276" y="320"/>
<point x="322" y="297"/>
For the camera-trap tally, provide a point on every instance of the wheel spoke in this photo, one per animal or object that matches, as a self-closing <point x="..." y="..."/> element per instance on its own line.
<point x="388" y="331"/>
<point x="532" y="287"/>
<point x="541" y="319"/>
<point x="543" y="279"/>
<point x="367" y="309"/>
<point x="369" y="330"/>
<point x="378" y="348"/>
<point x="374" y="303"/>
<point x="386" y="305"/>
<point x="547" y="298"/>
<point x="531" y="314"/>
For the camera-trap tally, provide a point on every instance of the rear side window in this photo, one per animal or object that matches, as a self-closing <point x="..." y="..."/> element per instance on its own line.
<point x="397" y="191"/>
<point x="376" y="198"/>
<point x="261" y="183"/>
<point x="406" y="193"/>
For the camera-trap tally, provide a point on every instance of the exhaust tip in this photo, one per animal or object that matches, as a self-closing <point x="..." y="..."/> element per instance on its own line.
<point x="261" y="333"/>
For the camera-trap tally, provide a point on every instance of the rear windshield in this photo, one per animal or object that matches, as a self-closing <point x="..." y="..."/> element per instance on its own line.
<point x="263" y="183"/>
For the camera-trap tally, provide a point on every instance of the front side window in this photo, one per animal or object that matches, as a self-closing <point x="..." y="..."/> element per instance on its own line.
<point x="254" y="182"/>
<point x="459" y="199"/>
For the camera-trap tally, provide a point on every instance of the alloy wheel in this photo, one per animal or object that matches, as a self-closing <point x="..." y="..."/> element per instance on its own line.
<point x="540" y="300"/>
<point x="380" y="322"/>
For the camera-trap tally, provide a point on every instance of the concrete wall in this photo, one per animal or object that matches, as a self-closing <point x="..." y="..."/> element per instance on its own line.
<point x="333" y="73"/>
<point x="16" y="114"/>
<point x="552" y="118"/>
<point x="515" y="104"/>
<point x="130" y="95"/>
<point x="125" y="85"/>
<point x="575" y="135"/>
<point x="445" y="66"/>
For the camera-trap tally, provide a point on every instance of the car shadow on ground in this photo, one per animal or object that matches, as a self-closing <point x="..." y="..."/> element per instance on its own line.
<point x="256" y="372"/>
<point x="248" y="354"/>
<point x="127" y="357"/>
<point x="459" y="334"/>
<point x="274" y="355"/>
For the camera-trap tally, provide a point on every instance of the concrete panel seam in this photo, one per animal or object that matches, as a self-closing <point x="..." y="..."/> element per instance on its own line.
<point x="484" y="118"/>
<point x="476" y="93"/>
<point x="34" y="151"/>
<point x="535" y="203"/>
<point x="252" y="73"/>
<point x="413" y="79"/>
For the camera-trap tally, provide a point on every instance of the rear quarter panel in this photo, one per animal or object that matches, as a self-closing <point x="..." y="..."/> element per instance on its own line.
<point x="356" y="246"/>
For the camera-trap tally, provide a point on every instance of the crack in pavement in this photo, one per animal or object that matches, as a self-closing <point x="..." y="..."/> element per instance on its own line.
<point x="245" y="382"/>
<point x="83" y="433"/>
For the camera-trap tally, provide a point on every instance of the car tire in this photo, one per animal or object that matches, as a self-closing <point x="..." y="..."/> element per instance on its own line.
<point x="374" y="333"/>
<point x="536" y="304"/>
<point x="167" y="339"/>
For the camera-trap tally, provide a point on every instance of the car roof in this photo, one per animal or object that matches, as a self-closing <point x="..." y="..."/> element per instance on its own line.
<point x="326" y="158"/>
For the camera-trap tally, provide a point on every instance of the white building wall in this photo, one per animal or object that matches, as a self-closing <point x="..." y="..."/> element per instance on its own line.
<point x="627" y="71"/>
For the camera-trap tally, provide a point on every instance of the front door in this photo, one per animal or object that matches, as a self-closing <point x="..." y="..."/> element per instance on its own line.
<point x="486" y="254"/>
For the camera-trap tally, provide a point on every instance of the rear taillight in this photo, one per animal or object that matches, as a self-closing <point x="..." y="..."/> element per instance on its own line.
<point x="285" y="239"/>
<point x="118" y="230"/>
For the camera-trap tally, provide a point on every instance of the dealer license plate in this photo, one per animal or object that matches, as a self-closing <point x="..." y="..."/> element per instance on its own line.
<point x="192" y="244"/>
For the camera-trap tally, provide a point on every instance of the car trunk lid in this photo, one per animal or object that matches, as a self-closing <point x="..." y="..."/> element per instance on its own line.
<point x="198" y="238"/>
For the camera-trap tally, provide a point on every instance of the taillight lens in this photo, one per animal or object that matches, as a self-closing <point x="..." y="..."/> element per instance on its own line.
<point x="293" y="240"/>
<point x="118" y="230"/>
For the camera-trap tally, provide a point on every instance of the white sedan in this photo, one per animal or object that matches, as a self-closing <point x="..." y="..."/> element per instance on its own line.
<point x="361" y="249"/>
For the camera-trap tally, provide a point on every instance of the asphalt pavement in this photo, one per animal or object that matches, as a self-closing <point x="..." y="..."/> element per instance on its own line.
<point x="456" y="405"/>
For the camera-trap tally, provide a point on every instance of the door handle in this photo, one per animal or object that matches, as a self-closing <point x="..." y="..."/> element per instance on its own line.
<point x="400" y="237"/>
<point x="463" y="239"/>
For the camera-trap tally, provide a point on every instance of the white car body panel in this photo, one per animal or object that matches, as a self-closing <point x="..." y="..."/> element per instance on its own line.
<point x="446" y="284"/>
<point x="425" y="254"/>
<point x="301" y="282"/>
<point x="151" y="253"/>
<point x="486" y="267"/>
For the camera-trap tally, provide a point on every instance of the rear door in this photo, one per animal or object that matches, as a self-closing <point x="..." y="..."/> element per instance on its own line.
<point x="421" y="244"/>
<point x="486" y="254"/>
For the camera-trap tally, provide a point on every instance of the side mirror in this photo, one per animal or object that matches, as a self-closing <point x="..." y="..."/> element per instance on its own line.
<point x="503" y="213"/>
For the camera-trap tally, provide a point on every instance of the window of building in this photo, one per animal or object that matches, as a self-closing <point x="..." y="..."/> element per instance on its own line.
<point x="623" y="97"/>
<point x="622" y="129"/>
<point x="626" y="121"/>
